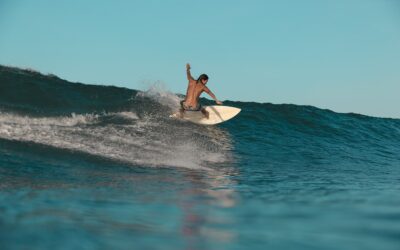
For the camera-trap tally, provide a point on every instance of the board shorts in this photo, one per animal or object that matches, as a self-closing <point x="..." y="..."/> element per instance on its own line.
<point x="190" y="108"/>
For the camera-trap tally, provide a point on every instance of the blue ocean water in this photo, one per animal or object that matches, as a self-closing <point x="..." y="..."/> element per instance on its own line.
<point x="99" y="167"/>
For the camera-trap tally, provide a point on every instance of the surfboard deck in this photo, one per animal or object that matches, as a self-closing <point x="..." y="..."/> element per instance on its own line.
<point x="218" y="114"/>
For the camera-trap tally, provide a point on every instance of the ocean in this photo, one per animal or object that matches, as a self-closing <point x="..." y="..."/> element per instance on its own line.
<point x="103" y="167"/>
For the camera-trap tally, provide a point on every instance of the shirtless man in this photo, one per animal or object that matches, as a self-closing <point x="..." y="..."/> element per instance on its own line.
<point x="194" y="90"/>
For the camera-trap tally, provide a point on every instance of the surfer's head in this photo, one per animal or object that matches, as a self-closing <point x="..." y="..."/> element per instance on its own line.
<point x="203" y="78"/>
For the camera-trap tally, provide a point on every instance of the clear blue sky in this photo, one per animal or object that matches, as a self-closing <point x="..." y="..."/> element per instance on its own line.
<point x="343" y="55"/>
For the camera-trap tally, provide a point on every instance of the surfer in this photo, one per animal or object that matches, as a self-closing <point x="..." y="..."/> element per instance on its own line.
<point x="194" y="90"/>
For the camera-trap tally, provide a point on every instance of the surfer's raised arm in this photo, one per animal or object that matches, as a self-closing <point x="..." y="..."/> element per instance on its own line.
<point x="189" y="76"/>
<point x="208" y="91"/>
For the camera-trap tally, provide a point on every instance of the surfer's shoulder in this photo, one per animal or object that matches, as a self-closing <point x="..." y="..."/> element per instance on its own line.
<point x="205" y="88"/>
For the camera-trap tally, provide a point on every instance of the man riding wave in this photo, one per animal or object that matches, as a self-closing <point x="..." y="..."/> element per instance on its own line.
<point x="194" y="90"/>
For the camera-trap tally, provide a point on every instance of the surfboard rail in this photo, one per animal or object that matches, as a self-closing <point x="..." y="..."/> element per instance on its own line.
<point x="217" y="114"/>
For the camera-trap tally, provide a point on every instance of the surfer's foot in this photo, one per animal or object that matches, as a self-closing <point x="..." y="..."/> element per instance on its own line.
<point x="181" y="111"/>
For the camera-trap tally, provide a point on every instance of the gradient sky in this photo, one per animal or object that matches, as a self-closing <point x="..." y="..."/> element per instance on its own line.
<point x="343" y="55"/>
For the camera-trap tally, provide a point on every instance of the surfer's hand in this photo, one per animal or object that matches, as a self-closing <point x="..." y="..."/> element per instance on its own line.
<point x="187" y="66"/>
<point x="219" y="103"/>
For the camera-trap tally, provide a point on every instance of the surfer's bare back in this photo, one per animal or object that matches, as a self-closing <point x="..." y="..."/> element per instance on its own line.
<point x="194" y="90"/>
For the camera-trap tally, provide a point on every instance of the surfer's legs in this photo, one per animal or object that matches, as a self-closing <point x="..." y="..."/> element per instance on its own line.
<point x="181" y="112"/>
<point x="182" y="109"/>
<point x="205" y="113"/>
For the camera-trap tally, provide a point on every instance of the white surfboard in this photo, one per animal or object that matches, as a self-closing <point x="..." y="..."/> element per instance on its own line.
<point x="218" y="114"/>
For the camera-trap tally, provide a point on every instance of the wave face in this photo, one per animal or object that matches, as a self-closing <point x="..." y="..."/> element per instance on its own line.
<point x="110" y="122"/>
<point x="264" y="162"/>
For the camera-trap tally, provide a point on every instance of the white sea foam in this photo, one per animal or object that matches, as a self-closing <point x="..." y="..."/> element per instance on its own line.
<point x="68" y="121"/>
<point x="129" y="115"/>
<point x="159" y="93"/>
<point x="145" y="141"/>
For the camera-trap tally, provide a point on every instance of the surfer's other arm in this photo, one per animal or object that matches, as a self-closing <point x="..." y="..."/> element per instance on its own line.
<point x="208" y="91"/>
<point x="189" y="76"/>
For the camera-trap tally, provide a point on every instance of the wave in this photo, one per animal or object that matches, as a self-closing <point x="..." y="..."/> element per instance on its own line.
<point x="116" y="123"/>
<point x="133" y="126"/>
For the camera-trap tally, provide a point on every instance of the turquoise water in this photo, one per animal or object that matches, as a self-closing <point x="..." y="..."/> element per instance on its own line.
<point x="92" y="167"/>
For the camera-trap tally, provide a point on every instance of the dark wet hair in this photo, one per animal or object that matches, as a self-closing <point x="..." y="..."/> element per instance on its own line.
<point x="202" y="77"/>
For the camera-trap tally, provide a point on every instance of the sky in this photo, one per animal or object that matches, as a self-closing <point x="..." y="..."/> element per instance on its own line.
<point x="342" y="55"/>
